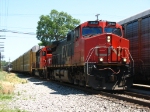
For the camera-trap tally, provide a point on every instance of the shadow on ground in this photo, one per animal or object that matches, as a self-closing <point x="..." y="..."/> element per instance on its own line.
<point x="58" y="88"/>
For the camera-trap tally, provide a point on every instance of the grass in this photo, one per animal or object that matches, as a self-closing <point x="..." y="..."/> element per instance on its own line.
<point x="5" y="96"/>
<point x="9" y="110"/>
<point x="7" y="84"/>
<point x="6" y="87"/>
<point x="2" y="75"/>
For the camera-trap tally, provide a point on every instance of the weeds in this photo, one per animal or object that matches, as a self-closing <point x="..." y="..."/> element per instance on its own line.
<point x="19" y="93"/>
<point x="6" y="87"/>
<point x="9" y="110"/>
<point x="14" y="79"/>
<point x="2" y="75"/>
<point x="7" y="82"/>
<point x="5" y="96"/>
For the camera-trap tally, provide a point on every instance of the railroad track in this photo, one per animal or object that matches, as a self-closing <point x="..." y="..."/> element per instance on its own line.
<point x="130" y="97"/>
<point x="147" y="97"/>
<point x="141" y="87"/>
<point x="136" y="98"/>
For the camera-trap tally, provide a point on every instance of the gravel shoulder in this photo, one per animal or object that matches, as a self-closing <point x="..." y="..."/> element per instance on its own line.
<point x="45" y="96"/>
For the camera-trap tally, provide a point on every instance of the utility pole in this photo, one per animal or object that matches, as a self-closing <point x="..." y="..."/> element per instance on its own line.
<point x="0" y="60"/>
<point x="97" y="16"/>
<point x="1" y="47"/>
<point x="9" y="60"/>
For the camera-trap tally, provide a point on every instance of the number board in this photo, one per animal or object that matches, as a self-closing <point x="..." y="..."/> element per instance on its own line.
<point x="111" y="23"/>
<point x="93" y="22"/>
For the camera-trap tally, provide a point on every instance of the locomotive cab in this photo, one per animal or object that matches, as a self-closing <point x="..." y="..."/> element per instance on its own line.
<point x="43" y="59"/>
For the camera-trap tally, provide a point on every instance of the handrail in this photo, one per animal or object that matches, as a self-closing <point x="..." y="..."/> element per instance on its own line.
<point x="132" y="61"/>
<point x="90" y="53"/>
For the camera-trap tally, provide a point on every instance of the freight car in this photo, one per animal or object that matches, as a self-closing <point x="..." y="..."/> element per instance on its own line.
<point x="137" y="30"/>
<point x="26" y="62"/>
<point x="94" y="54"/>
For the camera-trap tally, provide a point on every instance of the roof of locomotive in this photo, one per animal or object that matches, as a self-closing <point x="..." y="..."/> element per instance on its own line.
<point x="135" y="17"/>
<point x="95" y="22"/>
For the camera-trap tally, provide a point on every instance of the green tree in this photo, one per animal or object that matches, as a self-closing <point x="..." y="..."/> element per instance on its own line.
<point x="4" y="63"/>
<point x="55" y="26"/>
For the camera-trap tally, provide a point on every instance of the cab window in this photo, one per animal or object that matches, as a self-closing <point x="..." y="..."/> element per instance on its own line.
<point x="77" y="32"/>
<point x="116" y="31"/>
<point x="49" y="51"/>
<point x="44" y="53"/>
<point x="90" y="31"/>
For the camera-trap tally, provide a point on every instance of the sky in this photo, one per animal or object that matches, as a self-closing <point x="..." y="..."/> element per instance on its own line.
<point x="21" y="16"/>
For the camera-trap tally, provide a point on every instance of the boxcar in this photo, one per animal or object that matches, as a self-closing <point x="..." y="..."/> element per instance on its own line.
<point x="137" y="30"/>
<point x="25" y="63"/>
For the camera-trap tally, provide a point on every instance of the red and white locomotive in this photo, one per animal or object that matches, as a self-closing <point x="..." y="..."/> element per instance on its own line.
<point x="94" y="54"/>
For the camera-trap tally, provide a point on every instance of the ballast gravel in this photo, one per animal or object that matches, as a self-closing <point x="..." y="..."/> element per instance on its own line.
<point x="45" y="96"/>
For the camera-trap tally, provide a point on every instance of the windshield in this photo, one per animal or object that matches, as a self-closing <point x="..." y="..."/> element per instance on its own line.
<point x="116" y="31"/>
<point x="89" y="31"/>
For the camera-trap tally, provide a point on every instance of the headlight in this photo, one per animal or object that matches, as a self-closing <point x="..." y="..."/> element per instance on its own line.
<point x="101" y="59"/>
<point x="124" y="59"/>
<point x="108" y="38"/>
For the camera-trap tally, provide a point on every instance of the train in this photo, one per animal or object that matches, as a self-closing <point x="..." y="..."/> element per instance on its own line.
<point x="7" y="67"/>
<point x="95" y="54"/>
<point x="137" y="31"/>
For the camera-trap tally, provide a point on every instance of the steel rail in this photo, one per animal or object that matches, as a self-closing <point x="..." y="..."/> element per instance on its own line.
<point x="108" y="94"/>
<point x="137" y="95"/>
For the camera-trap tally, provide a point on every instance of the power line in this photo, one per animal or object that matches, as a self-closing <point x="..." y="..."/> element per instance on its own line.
<point x="29" y="33"/>
<point x="78" y="14"/>
<point x="16" y="27"/>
